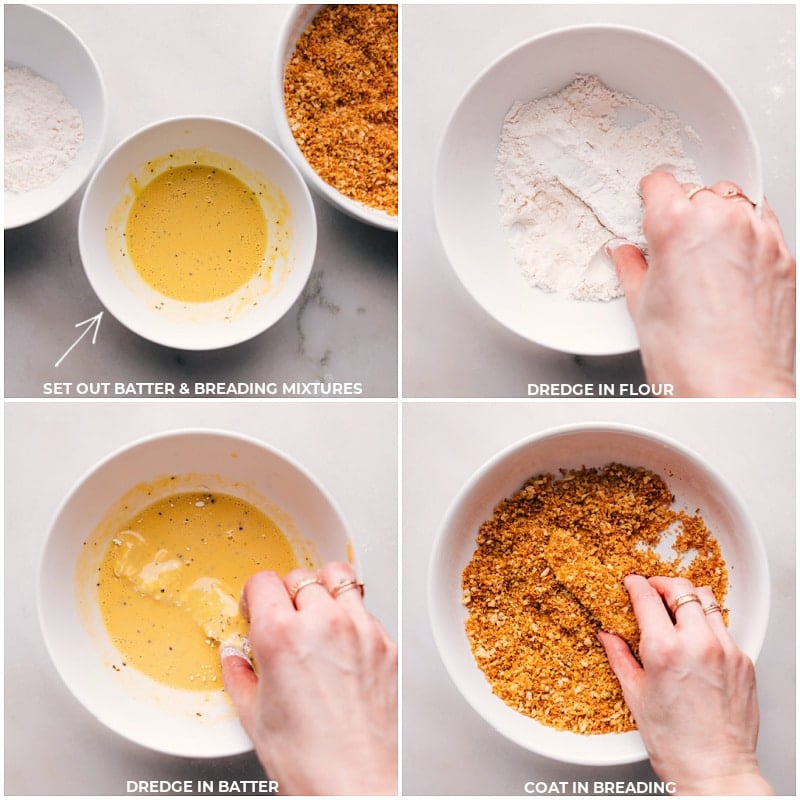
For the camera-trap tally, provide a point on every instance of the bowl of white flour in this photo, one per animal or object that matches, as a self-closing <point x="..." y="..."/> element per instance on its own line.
<point x="54" y="114"/>
<point x="540" y="163"/>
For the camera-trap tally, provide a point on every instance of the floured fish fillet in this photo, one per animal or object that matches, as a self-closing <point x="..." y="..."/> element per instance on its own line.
<point x="568" y="169"/>
<point x="593" y="585"/>
<point x="209" y="603"/>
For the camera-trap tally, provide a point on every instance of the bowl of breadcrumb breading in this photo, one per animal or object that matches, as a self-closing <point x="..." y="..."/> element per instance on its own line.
<point x="528" y="567"/>
<point x="334" y="99"/>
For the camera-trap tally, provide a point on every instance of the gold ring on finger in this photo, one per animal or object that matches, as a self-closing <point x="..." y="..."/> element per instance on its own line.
<point x="697" y="188"/>
<point x="688" y="597"/>
<point x="346" y="584"/>
<point x="711" y="608"/>
<point x="735" y="194"/>
<point x="296" y="588"/>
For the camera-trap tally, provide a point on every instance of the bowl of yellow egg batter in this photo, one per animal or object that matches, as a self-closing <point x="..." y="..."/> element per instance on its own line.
<point x="142" y="571"/>
<point x="197" y="233"/>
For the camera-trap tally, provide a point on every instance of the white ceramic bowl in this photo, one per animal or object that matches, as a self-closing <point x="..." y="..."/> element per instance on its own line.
<point x="37" y="40"/>
<point x="255" y="161"/>
<point x="126" y="701"/>
<point x="297" y="21"/>
<point x="695" y="485"/>
<point x="466" y="193"/>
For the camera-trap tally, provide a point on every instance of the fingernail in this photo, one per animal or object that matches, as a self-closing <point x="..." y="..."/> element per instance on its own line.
<point x="245" y="611"/>
<point x="612" y="244"/>
<point x="227" y="651"/>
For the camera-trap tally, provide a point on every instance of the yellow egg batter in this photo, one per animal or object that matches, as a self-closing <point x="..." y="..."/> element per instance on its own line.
<point x="170" y="581"/>
<point x="196" y="233"/>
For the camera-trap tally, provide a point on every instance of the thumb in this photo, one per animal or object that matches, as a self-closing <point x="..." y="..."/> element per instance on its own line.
<point x="631" y="269"/>
<point x="240" y="683"/>
<point x="624" y="665"/>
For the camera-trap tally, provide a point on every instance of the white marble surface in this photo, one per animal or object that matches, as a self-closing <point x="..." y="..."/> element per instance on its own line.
<point x="447" y="748"/>
<point x="52" y="745"/>
<point x="451" y="347"/>
<point x="159" y="61"/>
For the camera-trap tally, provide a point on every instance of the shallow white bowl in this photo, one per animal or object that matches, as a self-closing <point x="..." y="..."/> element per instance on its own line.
<point x="466" y="194"/>
<point x="695" y="484"/>
<point x="37" y="40"/>
<point x="297" y="21"/>
<point x="255" y="161"/>
<point x="126" y="701"/>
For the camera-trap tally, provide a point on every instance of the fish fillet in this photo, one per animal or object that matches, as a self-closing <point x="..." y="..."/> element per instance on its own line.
<point x="593" y="585"/>
<point x="210" y="604"/>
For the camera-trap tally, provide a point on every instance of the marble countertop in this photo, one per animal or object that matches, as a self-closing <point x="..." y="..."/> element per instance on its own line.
<point x="159" y="61"/>
<point x="447" y="748"/>
<point x="451" y="347"/>
<point x="67" y="439"/>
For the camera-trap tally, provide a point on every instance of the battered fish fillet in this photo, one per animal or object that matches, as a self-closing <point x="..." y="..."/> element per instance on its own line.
<point x="593" y="585"/>
<point x="210" y="604"/>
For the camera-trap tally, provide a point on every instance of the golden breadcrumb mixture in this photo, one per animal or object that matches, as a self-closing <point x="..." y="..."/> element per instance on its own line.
<point x="547" y="575"/>
<point x="340" y="91"/>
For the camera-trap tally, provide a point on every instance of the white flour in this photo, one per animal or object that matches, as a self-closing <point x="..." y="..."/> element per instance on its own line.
<point x="569" y="167"/>
<point x="43" y="132"/>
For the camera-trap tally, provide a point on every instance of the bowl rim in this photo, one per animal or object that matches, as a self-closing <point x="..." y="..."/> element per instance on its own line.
<point x="102" y="133"/>
<point x="353" y="208"/>
<point x="436" y="619"/>
<point x="141" y="330"/>
<point x="180" y="749"/>
<point x="581" y="28"/>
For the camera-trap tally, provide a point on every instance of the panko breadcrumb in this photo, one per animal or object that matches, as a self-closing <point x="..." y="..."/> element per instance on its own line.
<point x="340" y="93"/>
<point x="547" y="575"/>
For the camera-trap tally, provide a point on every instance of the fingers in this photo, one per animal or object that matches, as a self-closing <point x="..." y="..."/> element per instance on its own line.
<point x="240" y="683"/>
<point x="713" y="614"/>
<point x="649" y="596"/>
<point x="771" y="223"/>
<point x="304" y="588"/>
<point x="661" y="189"/>
<point x="622" y="662"/>
<point x="341" y="582"/>
<point x="728" y="189"/>
<point x="265" y="594"/>
<point x="680" y="592"/>
<point x="648" y="606"/>
<point x="769" y="218"/>
<point x="631" y="269"/>
<point x="264" y="597"/>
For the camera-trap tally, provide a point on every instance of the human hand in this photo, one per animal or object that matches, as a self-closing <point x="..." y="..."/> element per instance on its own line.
<point x="321" y="708"/>
<point x="694" y="696"/>
<point x="715" y="306"/>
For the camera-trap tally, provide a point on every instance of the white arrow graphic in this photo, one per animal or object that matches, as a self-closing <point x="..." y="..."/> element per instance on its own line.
<point x="92" y="322"/>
